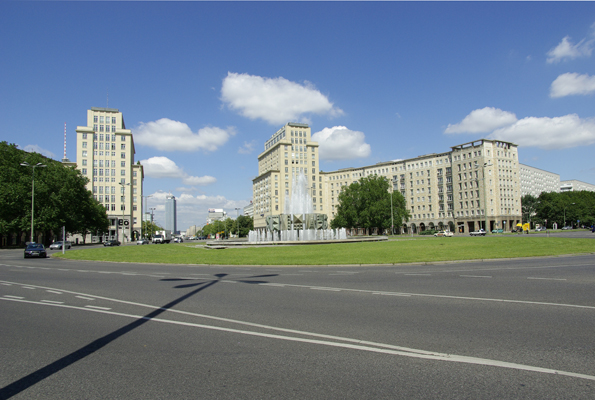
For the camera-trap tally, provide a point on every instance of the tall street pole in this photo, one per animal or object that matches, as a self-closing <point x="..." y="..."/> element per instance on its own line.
<point x="26" y="164"/>
<point x="123" y="205"/>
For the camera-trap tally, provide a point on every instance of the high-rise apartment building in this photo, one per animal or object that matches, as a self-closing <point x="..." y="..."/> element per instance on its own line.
<point x="105" y="155"/>
<point x="535" y="181"/>
<point x="171" y="219"/>
<point x="288" y="153"/>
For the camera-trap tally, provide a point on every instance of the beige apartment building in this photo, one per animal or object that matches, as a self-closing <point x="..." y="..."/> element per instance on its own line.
<point x="289" y="152"/>
<point x="474" y="185"/>
<point x="105" y="155"/>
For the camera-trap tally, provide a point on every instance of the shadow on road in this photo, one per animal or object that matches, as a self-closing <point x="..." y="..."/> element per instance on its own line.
<point x="58" y="365"/>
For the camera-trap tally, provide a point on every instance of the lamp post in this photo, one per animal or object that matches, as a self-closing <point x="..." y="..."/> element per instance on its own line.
<point x="26" y="164"/>
<point x="123" y="206"/>
<point x="237" y="225"/>
<point x="143" y="213"/>
<point x="152" y="209"/>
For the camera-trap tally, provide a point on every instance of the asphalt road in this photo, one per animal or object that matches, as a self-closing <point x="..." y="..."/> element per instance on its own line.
<point x="520" y="329"/>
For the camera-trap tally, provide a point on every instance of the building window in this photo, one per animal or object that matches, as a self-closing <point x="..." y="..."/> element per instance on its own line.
<point x="84" y="153"/>
<point x="123" y="146"/>
<point x="123" y="138"/>
<point x="84" y="171"/>
<point x="122" y="164"/>
<point x="113" y="120"/>
<point x="122" y="172"/>
<point x="122" y="155"/>
<point x="95" y="118"/>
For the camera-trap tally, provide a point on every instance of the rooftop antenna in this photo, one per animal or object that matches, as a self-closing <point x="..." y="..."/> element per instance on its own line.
<point x="65" y="159"/>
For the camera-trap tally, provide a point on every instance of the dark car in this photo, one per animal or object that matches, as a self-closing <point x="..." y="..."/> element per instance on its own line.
<point x="111" y="243"/>
<point x="35" y="250"/>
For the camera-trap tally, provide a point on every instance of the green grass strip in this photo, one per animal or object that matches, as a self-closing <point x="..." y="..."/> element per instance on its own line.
<point x="391" y="252"/>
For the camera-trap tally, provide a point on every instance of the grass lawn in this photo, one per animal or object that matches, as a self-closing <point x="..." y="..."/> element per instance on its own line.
<point x="390" y="252"/>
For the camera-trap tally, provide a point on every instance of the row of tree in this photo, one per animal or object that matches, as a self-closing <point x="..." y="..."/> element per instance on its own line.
<point x="61" y="198"/>
<point x="240" y="226"/>
<point x="564" y="209"/>
<point x="368" y="204"/>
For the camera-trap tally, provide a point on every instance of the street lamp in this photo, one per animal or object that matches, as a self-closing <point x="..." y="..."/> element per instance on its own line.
<point x="152" y="209"/>
<point x="26" y="164"/>
<point x="237" y="225"/>
<point x="123" y="207"/>
<point x="143" y="213"/>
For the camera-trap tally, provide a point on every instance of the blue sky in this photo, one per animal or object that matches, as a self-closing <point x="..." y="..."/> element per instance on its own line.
<point x="203" y="85"/>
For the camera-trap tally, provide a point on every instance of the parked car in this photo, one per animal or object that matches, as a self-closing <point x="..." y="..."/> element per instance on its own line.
<point x="58" y="245"/>
<point x="443" y="234"/>
<point x="567" y="228"/>
<point x="480" y="232"/>
<point x="142" y="241"/>
<point x="35" y="250"/>
<point x="111" y="243"/>
<point x="497" y="230"/>
<point x="541" y="228"/>
<point x="178" y="240"/>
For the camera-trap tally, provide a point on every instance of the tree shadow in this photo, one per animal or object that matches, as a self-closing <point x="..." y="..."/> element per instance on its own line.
<point x="35" y="377"/>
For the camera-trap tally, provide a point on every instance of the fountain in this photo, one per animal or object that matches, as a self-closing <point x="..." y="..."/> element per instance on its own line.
<point x="298" y="222"/>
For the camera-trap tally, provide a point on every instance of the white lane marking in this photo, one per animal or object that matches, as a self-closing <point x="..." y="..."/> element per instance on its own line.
<point x="268" y="284"/>
<point x="549" y="279"/>
<point x="474" y="276"/>
<point x="505" y="268"/>
<point x="361" y="345"/>
<point x="84" y="298"/>
<point x="326" y="288"/>
<point x="5" y="284"/>
<point x="52" y="302"/>
<point x="28" y="287"/>
<point x="443" y="296"/>
<point x="417" y="274"/>
<point x="53" y="291"/>
<point x="13" y="297"/>
<point x="228" y="281"/>
<point x="98" y="308"/>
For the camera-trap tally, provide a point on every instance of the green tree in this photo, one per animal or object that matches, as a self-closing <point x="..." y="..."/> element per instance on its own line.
<point x="61" y="198"/>
<point x="367" y="204"/>
<point x="244" y="224"/>
<point x="567" y="207"/>
<point x="529" y="205"/>
<point x="149" y="228"/>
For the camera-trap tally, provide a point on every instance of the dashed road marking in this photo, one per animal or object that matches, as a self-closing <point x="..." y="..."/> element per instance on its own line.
<point x="52" y="302"/>
<point x="474" y="276"/>
<point x="53" y="291"/>
<point x="84" y="298"/>
<point x="548" y="279"/>
<point x="13" y="297"/>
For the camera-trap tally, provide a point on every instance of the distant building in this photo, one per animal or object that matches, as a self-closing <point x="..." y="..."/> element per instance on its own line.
<point x="535" y="181"/>
<point x="216" y="214"/>
<point x="171" y="221"/>
<point x="190" y="232"/>
<point x="576" y="186"/>
<point x="249" y="210"/>
<point x="105" y="156"/>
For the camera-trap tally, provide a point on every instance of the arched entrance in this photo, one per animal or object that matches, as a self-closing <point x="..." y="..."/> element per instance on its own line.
<point x="413" y="229"/>
<point x="422" y="227"/>
<point x="451" y="226"/>
<point x="431" y="226"/>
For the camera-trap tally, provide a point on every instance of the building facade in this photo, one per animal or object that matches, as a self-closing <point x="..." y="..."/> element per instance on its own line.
<point x="576" y="186"/>
<point x="171" y="216"/>
<point x="535" y="181"/>
<point x="105" y="156"/>
<point x="475" y="185"/>
<point x="289" y="152"/>
<point x="216" y="214"/>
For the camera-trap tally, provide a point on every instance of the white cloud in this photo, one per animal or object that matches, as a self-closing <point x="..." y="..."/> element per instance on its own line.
<point x="275" y="100"/>
<point x="163" y="167"/>
<point x="482" y="120"/>
<point x="572" y="84"/>
<point x="33" y="148"/>
<point x="168" y="135"/>
<point x="247" y="148"/>
<point x="340" y="143"/>
<point x="566" y="50"/>
<point x="549" y="133"/>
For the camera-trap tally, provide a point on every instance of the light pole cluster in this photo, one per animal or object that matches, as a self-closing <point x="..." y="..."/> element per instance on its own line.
<point x="26" y="164"/>
<point x="123" y="205"/>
